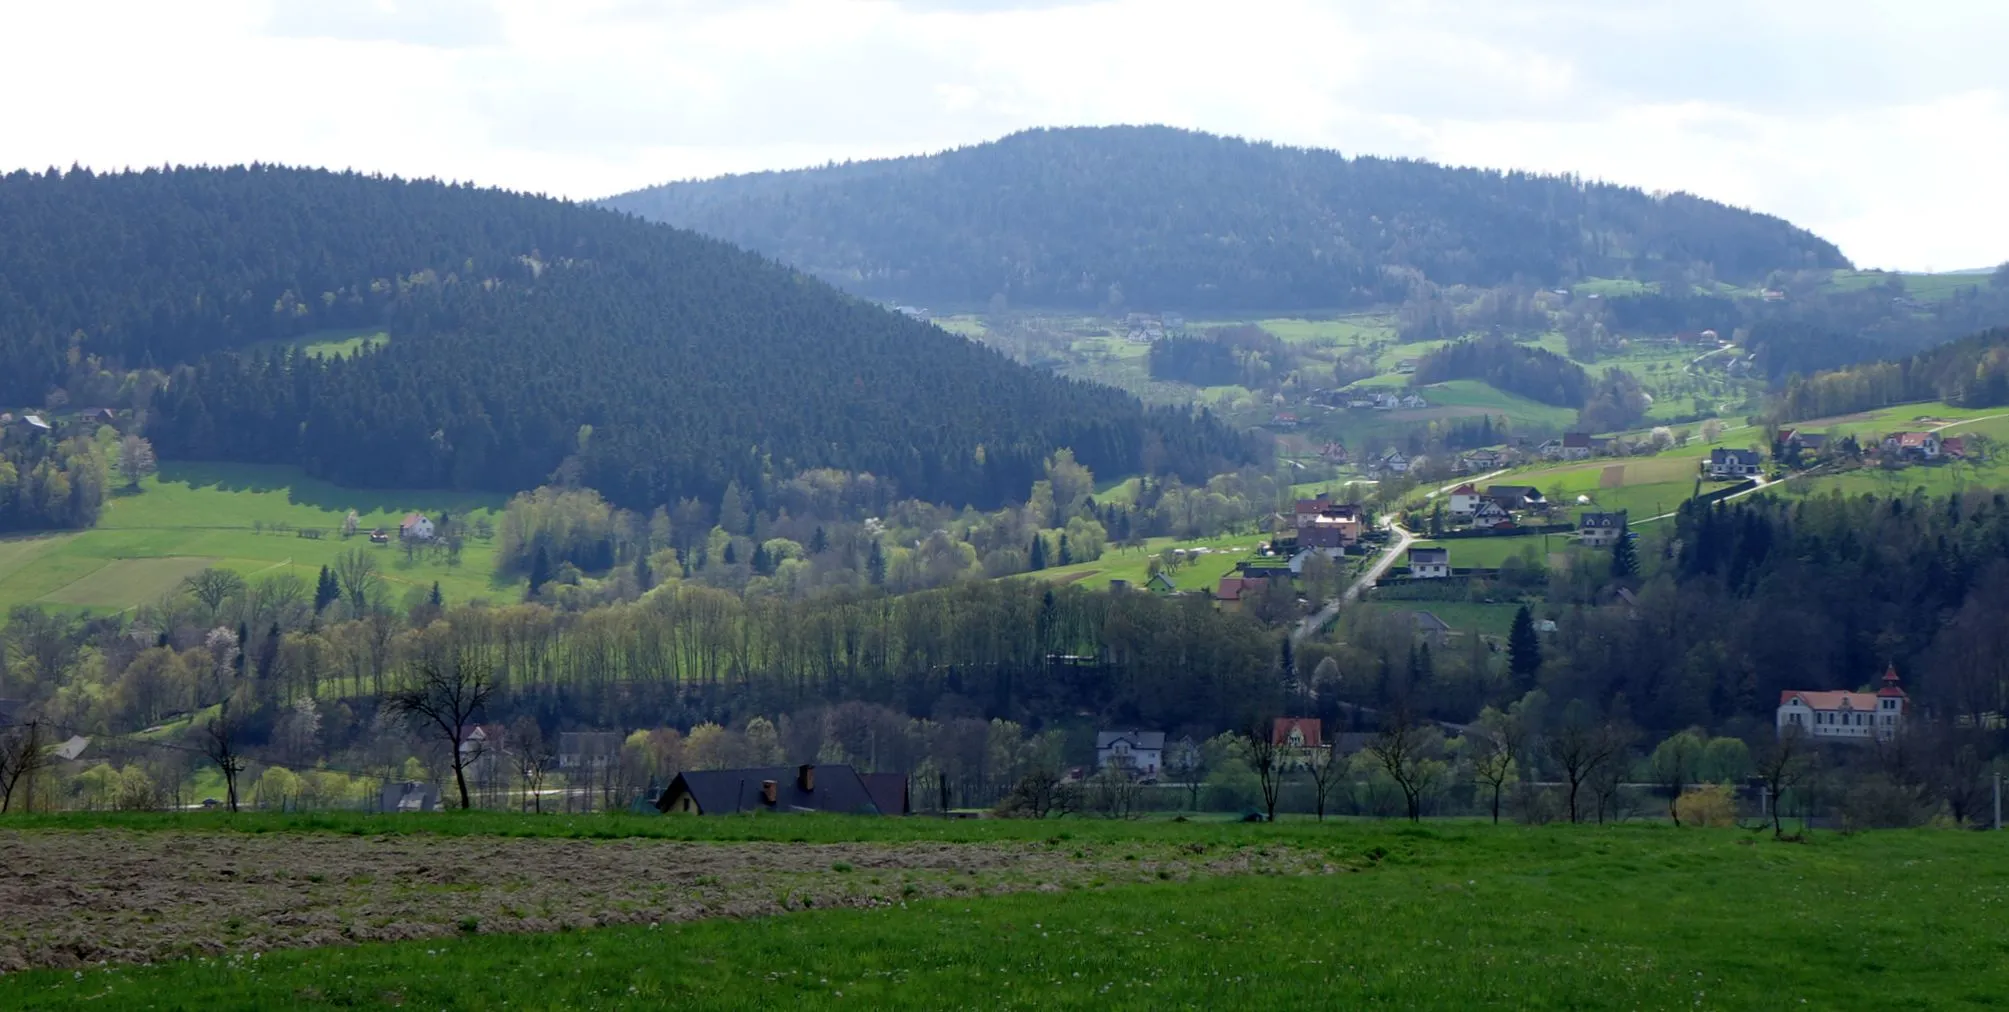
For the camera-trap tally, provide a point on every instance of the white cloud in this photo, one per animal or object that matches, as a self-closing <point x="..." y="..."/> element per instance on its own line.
<point x="1875" y="126"/>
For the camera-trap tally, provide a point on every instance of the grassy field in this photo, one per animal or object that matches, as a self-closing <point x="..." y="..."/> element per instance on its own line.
<point x="195" y="515"/>
<point x="327" y="343"/>
<point x="1483" y="399"/>
<point x="1440" y="916"/>
<point x="1489" y="553"/>
<point x="1924" y="287"/>
<point x="1120" y="564"/>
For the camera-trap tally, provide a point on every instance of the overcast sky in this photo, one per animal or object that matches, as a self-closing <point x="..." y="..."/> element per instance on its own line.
<point x="1882" y="126"/>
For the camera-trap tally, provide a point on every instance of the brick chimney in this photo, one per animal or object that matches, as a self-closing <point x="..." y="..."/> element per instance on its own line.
<point x="767" y="791"/>
<point x="805" y="777"/>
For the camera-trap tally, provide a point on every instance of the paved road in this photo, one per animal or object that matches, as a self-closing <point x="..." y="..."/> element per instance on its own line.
<point x="1318" y="619"/>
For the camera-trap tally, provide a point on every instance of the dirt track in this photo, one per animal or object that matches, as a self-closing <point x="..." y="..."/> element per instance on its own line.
<point x="70" y="898"/>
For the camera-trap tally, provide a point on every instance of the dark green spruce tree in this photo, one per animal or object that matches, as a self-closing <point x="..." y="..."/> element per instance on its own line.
<point x="875" y="564"/>
<point x="1036" y="556"/>
<point x="540" y="570"/>
<point x="1524" y="650"/>
<point x="1624" y="558"/>
<point x="327" y="591"/>
<point x="645" y="577"/>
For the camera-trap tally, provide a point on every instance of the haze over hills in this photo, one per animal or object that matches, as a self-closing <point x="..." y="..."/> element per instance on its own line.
<point x="1166" y="218"/>
<point x="515" y="322"/>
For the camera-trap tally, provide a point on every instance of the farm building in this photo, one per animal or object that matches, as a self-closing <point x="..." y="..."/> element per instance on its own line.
<point x="415" y="528"/>
<point x="806" y="788"/>
<point x="1916" y="445"/>
<point x="1845" y="716"/>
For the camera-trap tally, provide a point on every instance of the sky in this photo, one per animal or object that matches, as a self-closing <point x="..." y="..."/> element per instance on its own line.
<point x="1881" y="126"/>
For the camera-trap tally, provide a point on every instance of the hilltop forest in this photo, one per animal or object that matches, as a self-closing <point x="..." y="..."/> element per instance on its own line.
<point x="529" y="338"/>
<point x="1158" y="217"/>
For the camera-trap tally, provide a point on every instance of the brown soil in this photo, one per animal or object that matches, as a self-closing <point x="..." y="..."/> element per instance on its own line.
<point x="72" y="898"/>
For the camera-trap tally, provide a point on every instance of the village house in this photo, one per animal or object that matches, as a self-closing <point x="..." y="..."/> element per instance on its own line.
<point x="807" y="788"/>
<point x="1138" y="753"/>
<point x="1393" y="462"/>
<point x="1914" y="445"/>
<point x="415" y="527"/>
<point x="1600" y="530"/>
<point x="31" y="425"/>
<point x="410" y="796"/>
<point x="1333" y="453"/>
<point x="1953" y="446"/>
<point x="1159" y="583"/>
<point x="1429" y="563"/>
<point x="1728" y="463"/>
<point x="1810" y="442"/>
<point x="1415" y="401"/>
<point x="1551" y="449"/>
<point x="1858" y="717"/>
<point x="1518" y="497"/>
<point x="1323" y="524"/>
<point x="1465" y="500"/>
<point x="1298" y="738"/>
<point x="1576" y="446"/>
<point x="1284" y="420"/>
<point x="1360" y="400"/>
<point x="1236" y="586"/>
<point x="1479" y="461"/>
<point x="1489" y="514"/>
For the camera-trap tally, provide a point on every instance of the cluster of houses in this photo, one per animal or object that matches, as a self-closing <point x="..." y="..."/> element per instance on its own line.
<point x="1146" y="328"/>
<point x="34" y="424"/>
<point x="1499" y="508"/>
<point x="1383" y="400"/>
<point x="1593" y="529"/>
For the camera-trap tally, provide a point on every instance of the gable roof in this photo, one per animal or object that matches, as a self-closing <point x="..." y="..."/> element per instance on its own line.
<point x="410" y="520"/>
<point x="1466" y="489"/>
<point x="1577" y="439"/>
<point x="837" y="789"/>
<point x="1309" y="727"/>
<point x="1514" y="491"/>
<point x="1725" y="455"/>
<point x="1137" y="739"/>
<point x="1836" y="700"/>
<point x="1429" y="555"/>
<point x="1910" y="439"/>
<point x="1602" y="520"/>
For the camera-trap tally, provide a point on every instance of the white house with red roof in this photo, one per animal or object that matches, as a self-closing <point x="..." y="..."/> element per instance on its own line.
<point x="415" y="528"/>
<point x="1465" y="500"/>
<point x="1846" y="716"/>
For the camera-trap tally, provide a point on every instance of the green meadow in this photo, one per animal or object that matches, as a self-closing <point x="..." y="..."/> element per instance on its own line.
<point x="329" y="343"/>
<point x="1490" y="620"/>
<point x="1444" y="915"/>
<point x="236" y="516"/>
<point x="1203" y="573"/>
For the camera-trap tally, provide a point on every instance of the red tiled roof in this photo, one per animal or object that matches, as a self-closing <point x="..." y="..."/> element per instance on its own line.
<point x="1466" y="489"/>
<point x="1913" y="438"/>
<point x="1308" y="726"/>
<point x="1829" y="700"/>
<point x="1955" y="447"/>
<point x="410" y="519"/>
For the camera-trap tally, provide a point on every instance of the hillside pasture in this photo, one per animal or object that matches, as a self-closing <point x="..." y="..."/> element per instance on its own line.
<point x="328" y="343"/>
<point x="1446" y="915"/>
<point x="1215" y="558"/>
<point x="239" y="517"/>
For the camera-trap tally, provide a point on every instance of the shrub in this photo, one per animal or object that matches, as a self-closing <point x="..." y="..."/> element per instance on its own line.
<point x="1708" y="806"/>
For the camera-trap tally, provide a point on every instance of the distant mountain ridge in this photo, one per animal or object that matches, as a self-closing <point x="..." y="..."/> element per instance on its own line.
<point x="529" y="338"/>
<point x="1156" y="217"/>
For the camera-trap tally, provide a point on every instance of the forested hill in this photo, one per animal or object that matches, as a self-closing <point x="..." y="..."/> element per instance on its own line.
<point x="516" y="323"/>
<point x="1173" y="219"/>
<point x="1971" y="372"/>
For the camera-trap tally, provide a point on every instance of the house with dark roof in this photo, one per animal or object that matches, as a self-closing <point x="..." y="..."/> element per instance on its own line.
<point x="1728" y="463"/>
<point x="1576" y="446"/>
<point x="1429" y="563"/>
<point x="1517" y="497"/>
<point x="1141" y="753"/>
<point x="1599" y="530"/>
<point x="806" y="788"/>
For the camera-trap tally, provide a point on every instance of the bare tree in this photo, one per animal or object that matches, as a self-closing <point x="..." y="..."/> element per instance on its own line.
<point x="212" y="587"/>
<point x="1581" y="748"/>
<point x="531" y="756"/>
<point x="219" y="743"/>
<point x="1493" y="759"/>
<point x="22" y="752"/>
<point x="442" y="697"/>
<point x="1114" y="792"/>
<point x="1404" y="749"/>
<point x="1266" y="757"/>
<point x="1189" y="764"/>
<point x="1327" y="769"/>
<point x="1784" y="763"/>
<point x="356" y="571"/>
<point x="1034" y="794"/>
